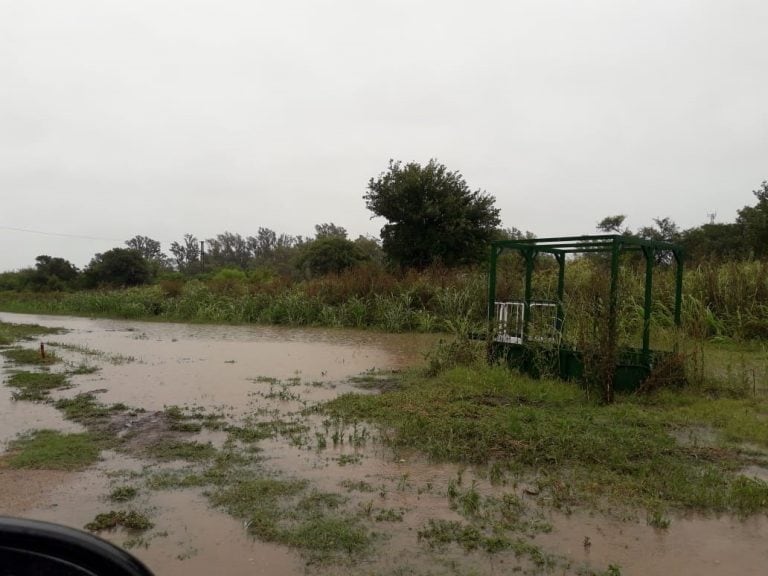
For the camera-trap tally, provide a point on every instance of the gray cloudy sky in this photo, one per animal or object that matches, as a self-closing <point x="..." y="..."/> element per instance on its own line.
<point x="160" y="118"/>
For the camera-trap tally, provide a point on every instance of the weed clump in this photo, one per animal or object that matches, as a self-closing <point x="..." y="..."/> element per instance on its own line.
<point x="280" y="511"/>
<point x="30" y="356"/>
<point x="461" y="351"/>
<point x="132" y="521"/>
<point x="35" y="386"/>
<point x="10" y="333"/>
<point x="84" y="409"/>
<point x="123" y="494"/>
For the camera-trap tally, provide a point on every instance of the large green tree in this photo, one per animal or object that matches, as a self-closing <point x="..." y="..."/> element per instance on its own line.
<point x="118" y="267"/>
<point x="754" y="222"/>
<point x="328" y="254"/>
<point x="432" y="215"/>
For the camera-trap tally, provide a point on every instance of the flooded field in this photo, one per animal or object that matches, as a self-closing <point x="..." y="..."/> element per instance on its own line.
<point x="242" y="397"/>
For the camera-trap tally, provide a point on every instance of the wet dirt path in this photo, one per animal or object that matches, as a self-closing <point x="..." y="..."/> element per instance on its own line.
<point x="238" y="371"/>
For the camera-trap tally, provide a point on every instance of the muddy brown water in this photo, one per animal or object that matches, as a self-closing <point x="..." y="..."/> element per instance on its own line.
<point x="225" y="369"/>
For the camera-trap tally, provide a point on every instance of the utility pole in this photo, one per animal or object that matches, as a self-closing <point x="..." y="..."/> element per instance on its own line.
<point x="202" y="254"/>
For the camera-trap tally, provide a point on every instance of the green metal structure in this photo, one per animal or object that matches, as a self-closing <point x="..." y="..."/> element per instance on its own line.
<point x="518" y="346"/>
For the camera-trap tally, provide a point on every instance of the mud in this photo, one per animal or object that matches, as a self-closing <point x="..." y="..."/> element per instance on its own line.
<point x="266" y="373"/>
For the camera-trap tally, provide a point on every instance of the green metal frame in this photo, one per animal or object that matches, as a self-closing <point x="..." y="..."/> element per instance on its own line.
<point x="614" y="244"/>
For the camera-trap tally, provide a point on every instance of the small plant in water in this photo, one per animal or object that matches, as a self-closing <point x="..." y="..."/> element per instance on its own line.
<point x="134" y="521"/>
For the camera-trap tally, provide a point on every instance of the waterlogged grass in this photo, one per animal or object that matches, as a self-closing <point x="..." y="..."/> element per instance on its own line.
<point x="30" y="356"/>
<point x="441" y="533"/>
<point x="576" y="450"/>
<point x="53" y="450"/>
<point x="130" y="520"/>
<point x="279" y="510"/>
<point x="169" y="449"/>
<point x="85" y="409"/>
<point x="10" y="333"/>
<point x="123" y="493"/>
<point x="35" y="386"/>
<point x="115" y="359"/>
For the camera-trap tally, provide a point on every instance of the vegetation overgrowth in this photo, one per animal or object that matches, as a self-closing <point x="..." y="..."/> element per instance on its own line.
<point x="721" y="300"/>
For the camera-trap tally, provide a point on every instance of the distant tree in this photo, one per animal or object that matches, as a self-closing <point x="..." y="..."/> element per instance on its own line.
<point x="263" y="245"/>
<point x="149" y="249"/>
<point x="274" y="251"/>
<point x="754" y="222"/>
<point x="664" y="230"/>
<point x="612" y="224"/>
<point x="432" y="215"/>
<point x="118" y="267"/>
<point x="371" y="248"/>
<point x="57" y="267"/>
<point x="330" y="230"/>
<point x="186" y="254"/>
<point x="227" y="250"/>
<point x="714" y="241"/>
<point x="514" y="234"/>
<point x="329" y="254"/>
<point x="52" y="274"/>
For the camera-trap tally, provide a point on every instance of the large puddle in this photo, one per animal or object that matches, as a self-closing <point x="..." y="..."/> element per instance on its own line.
<point x="233" y="370"/>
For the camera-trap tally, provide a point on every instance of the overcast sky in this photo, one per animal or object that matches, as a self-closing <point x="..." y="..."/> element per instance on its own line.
<point x="163" y="118"/>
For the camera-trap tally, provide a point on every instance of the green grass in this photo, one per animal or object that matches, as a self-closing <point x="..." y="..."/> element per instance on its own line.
<point x="282" y="511"/>
<point x="29" y="356"/>
<point x="84" y="409"/>
<point x="578" y="451"/>
<point x="132" y="521"/>
<point x="35" y="386"/>
<point x="123" y="494"/>
<point x="168" y="449"/>
<point x="115" y="359"/>
<point x="53" y="450"/>
<point x="10" y="333"/>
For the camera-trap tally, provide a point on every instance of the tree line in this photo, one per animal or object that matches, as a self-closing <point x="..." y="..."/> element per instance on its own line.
<point x="432" y="217"/>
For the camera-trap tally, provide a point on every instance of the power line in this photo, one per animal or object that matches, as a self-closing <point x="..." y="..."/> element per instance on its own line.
<point x="63" y="235"/>
<point x="58" y="234"/>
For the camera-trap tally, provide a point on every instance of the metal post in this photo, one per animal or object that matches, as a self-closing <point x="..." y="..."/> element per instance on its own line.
<point x="492" y="285"/>
<point x="529" y="255"/>
<point x="614" y="291"/>
<point x="678" y="286"/>
<point x="560" y="290"/>
<point x="650" y="255"/>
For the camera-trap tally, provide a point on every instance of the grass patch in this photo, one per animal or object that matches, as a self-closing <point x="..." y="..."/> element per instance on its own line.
<point x="357" y="486"/>
<point x="381" y="380"/>
<point x="10" y="333"/>
<point x="278" y="510"/>
<point x="192" y="420"/>
<point x="581" y="452"/>
<point x="132" y="521"/>
<point x="35" y="386"/>
<point x="441" y="533"/>
<point x="123" y="494"/>
<point x="168" y="449"/>
<point x="29" y="356"/>
<point x="84" y="409"/>
<point x="84" y="368"/>
<point x="115" y="359"/>
<point x="53" y="450"/>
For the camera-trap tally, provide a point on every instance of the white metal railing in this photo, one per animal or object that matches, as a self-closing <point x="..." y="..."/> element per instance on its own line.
<point x="510" y="322"/>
